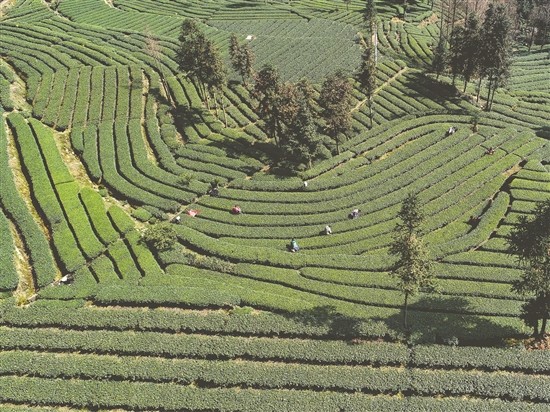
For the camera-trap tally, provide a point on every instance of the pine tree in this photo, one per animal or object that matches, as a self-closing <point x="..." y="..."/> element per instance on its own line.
<point x="212" y="73"/>
<point x="440" y="57"/>
<point x="495" y="49"/>
<point x="192" y="45"/>
<point x="242" y="58"/>
<point x="530" y="242"/>
<point x="413" y="269"/>
<point x="335" y="101"/>
<point x="266" y="91"/>
<point x="303" y="141"/>
<point x="369" y="18"/>
<point x="472" y="45"/>
<point x="367" y="77"/>
<point x="456" y="52"/>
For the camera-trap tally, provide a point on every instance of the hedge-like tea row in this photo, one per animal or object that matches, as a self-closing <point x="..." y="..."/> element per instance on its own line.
<point x="92" y="394"/>
<point x="202" y="346"/>
<point x="163" y="296"/>
<point x="35" y="242"/>
<point x="9" y="278"/>
<point x="44" y="193"/>
<point x="107" y="157"/>
<point x="276" y="376"/>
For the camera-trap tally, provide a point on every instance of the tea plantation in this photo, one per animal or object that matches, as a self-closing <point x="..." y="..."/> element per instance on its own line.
<point x="92" y="153"/>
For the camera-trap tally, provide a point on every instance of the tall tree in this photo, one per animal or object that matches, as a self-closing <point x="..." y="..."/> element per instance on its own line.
<point x="472" y="44"/>
<point x="190" y="54"/>
<point x="212" y="73"/>
<point x="440" y="57"/>
<point x="530" y="242"/>
<point x="367" y="77"/>
<point x="303" y="142"/>
<point x="495" y="49"/>
<point x="234" y="50"/>
<point x="539" y="20"/>
<point x="456" y="51"/>
<point x="369" y="18"/>
<point x="266" y="90"/>
<point x="153" y="49"/>
<point x="242" y="58"/>
<point x="191" y="47"/>
<point x="336" y="103"/>
<point x="413" y="269"/>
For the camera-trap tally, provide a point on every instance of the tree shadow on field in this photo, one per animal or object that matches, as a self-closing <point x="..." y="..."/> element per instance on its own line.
<point x="421" y="87"/>
<point x="440" y="319"/>
<point x="186" y="115"/>
<point x="159" y="97"/>
<point x="338" y="325"/>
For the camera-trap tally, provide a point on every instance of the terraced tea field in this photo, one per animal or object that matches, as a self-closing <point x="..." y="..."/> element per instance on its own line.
<point x="92" y="153"/>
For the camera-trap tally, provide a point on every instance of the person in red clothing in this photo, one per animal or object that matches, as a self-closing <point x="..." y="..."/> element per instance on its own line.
<point x="236" y="210"/>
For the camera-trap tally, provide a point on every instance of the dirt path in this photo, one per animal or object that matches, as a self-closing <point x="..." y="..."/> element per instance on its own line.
<point x="5" y="6"/>
<point x="387" y="82"/>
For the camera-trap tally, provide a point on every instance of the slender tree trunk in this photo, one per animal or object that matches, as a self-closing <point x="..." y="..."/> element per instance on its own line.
<point x="465" y="85"/>
<point x="202" y="92"/>
<point x="224" y="113"/>
<point x="370" y="112"/>
<point x="532" y="38"/>
<point x="207" y="98"/>
<point x="489" y="86"/>
<point x="406" y="306"/>
<point x="478" y="89"/>
<point x="453" y="18"/>
<point x="454" y="80"/>
<point x="543" y="326"/>
<point x="216" y="104"/>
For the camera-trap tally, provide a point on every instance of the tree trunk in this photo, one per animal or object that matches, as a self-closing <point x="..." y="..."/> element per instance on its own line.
<point x="465" y="85"/>
<point x="489" y="86"/>
<point x="207" y="99"/>
<point x="543" y="326"/>
<point x="453" y="18"/>
<point x="406" y="306"/>
<point x="370" y="112"/>
<point x="224" y="113"/>
<point x="532" y="39"/>
<point x="216" y="104"/>
<point x="478" y="89"/>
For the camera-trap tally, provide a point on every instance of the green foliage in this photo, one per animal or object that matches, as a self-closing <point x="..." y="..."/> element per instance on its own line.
<point x="142" y="214"/>
<point x="530" y="241"/>
<point x="335" y="101"/>
<point x="413" y="268"/>
<point x="160" y="236"/>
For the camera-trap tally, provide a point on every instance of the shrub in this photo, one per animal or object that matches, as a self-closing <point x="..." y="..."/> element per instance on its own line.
<point x="161" y="236"/>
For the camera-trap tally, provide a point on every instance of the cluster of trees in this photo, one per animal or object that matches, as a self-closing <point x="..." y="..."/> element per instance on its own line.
<point x="535" y="14"/>
<point x="292" y="118"/>
<point x="478" y="51"/>
<point x="200" y="60"/>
